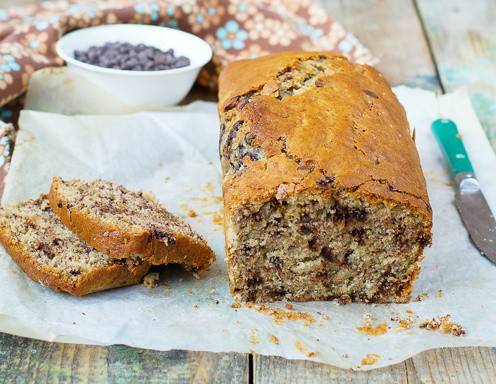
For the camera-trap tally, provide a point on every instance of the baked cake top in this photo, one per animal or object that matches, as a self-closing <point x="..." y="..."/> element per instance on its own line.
<point x="311" y="121"/>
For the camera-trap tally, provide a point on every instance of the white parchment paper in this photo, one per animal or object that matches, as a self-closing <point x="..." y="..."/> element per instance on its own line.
<point x="174" y="155"/>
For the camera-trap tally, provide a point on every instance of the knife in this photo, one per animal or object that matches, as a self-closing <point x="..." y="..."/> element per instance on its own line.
<point x="469" y="200"/>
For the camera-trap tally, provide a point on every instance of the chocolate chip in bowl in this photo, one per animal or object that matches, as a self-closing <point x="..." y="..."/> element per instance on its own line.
<point x="130" y="57"/>
<point x="147" y="67"/>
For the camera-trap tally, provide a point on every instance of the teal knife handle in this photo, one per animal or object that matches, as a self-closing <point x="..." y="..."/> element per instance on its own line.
<point x="451" y="143"/>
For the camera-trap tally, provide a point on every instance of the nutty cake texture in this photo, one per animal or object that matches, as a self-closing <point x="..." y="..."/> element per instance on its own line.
<point x="324" y="195"/>
<point x="52" y="255"/>
<point x="123" y="223"/>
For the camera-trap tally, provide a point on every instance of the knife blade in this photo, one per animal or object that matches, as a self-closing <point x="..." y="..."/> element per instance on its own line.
<point x="469" y="199"/>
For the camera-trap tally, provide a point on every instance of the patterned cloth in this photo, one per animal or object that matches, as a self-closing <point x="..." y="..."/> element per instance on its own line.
<point x="234" y="28"/>
<point x="6" y="144"/>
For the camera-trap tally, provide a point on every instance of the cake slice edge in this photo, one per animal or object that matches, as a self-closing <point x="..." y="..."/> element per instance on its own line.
<point x="120" y="243"/>
<point x="98" y="279"/>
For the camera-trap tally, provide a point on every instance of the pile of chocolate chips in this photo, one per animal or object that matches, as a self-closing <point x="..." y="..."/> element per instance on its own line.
<point x="131" y="57"/>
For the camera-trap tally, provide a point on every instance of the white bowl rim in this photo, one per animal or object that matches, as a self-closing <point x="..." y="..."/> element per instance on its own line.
<point x="95" y="68"/>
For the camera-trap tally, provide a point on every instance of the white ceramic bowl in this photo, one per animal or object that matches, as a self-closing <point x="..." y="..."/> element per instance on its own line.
<point x="142" y="88"/>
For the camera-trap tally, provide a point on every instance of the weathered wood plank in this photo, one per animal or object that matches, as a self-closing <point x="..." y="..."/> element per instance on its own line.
<point x="463" y="40"/>
<point x="275" y="370"/>
<point x="440" y="366"/>
<point x="25" y="360"/>
<point x="455" y="365"/>
<point x="392" y="31"/>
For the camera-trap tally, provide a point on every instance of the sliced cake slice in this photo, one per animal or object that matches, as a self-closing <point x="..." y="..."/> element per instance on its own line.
<point x="123" y="223"/>
<point x="52" y="255"/>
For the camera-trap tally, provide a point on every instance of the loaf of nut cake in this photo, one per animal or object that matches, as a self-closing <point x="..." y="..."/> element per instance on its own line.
<point x="324" y="195"/>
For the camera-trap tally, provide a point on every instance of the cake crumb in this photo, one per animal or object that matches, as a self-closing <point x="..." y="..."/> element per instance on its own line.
<point x="370" y="359"/>
<point x="345" y="356"/>
<point x="405" y="322"/>
<point x="279" y="315"/>
<point x="208" y="187"/>
<point x="253" y="339"/>
<point x="421" y="297"/>
<point x="195" y="306"/>
<point x="208" y="200"/>
<point x="343" y="300"/>
<point x="301" y="348"/>
<point x="289" y="306"/>
<point x="370" y="329"/>
<point x="440" y="293"/>
<point x="217" y="218"/>
<point x="235" y="305"/>
<point x="151" y="280"/>
<point x="273" y="339"/>
<point x="444" y="325"/>
<point x="191" y="213"/>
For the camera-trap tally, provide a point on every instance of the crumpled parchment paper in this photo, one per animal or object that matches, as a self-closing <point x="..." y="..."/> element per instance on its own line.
<point x="174" y="155"/>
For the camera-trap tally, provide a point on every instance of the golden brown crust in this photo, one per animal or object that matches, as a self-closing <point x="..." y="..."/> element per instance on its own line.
<point x="231" y="84"/>
<point x="99" y="279"/>
<point x="121" y="244"/>
<point x="296" y="124"/>
<point x="350" y="127"/>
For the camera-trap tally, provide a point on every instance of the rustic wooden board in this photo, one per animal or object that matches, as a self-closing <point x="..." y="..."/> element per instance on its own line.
<point x="454" y="365"/>
<point x="31" y="361"/>
<point x="275" y="370"/>
<point x="392" y="31"/>
<point x="440" y="366"/>
<point x="462" y="35"/>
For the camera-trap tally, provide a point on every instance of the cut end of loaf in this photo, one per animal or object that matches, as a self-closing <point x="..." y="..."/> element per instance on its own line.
<point x="316" y="247"/>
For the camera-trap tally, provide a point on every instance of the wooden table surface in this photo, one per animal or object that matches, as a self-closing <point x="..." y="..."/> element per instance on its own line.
<point x="440" y="45"/>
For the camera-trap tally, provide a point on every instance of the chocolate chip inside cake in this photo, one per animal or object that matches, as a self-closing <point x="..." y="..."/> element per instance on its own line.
<point x="50" y="253"/>
<point x="123" y="223"/>
<point x="324" y="196"/>
<point x="322" y="247"/>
